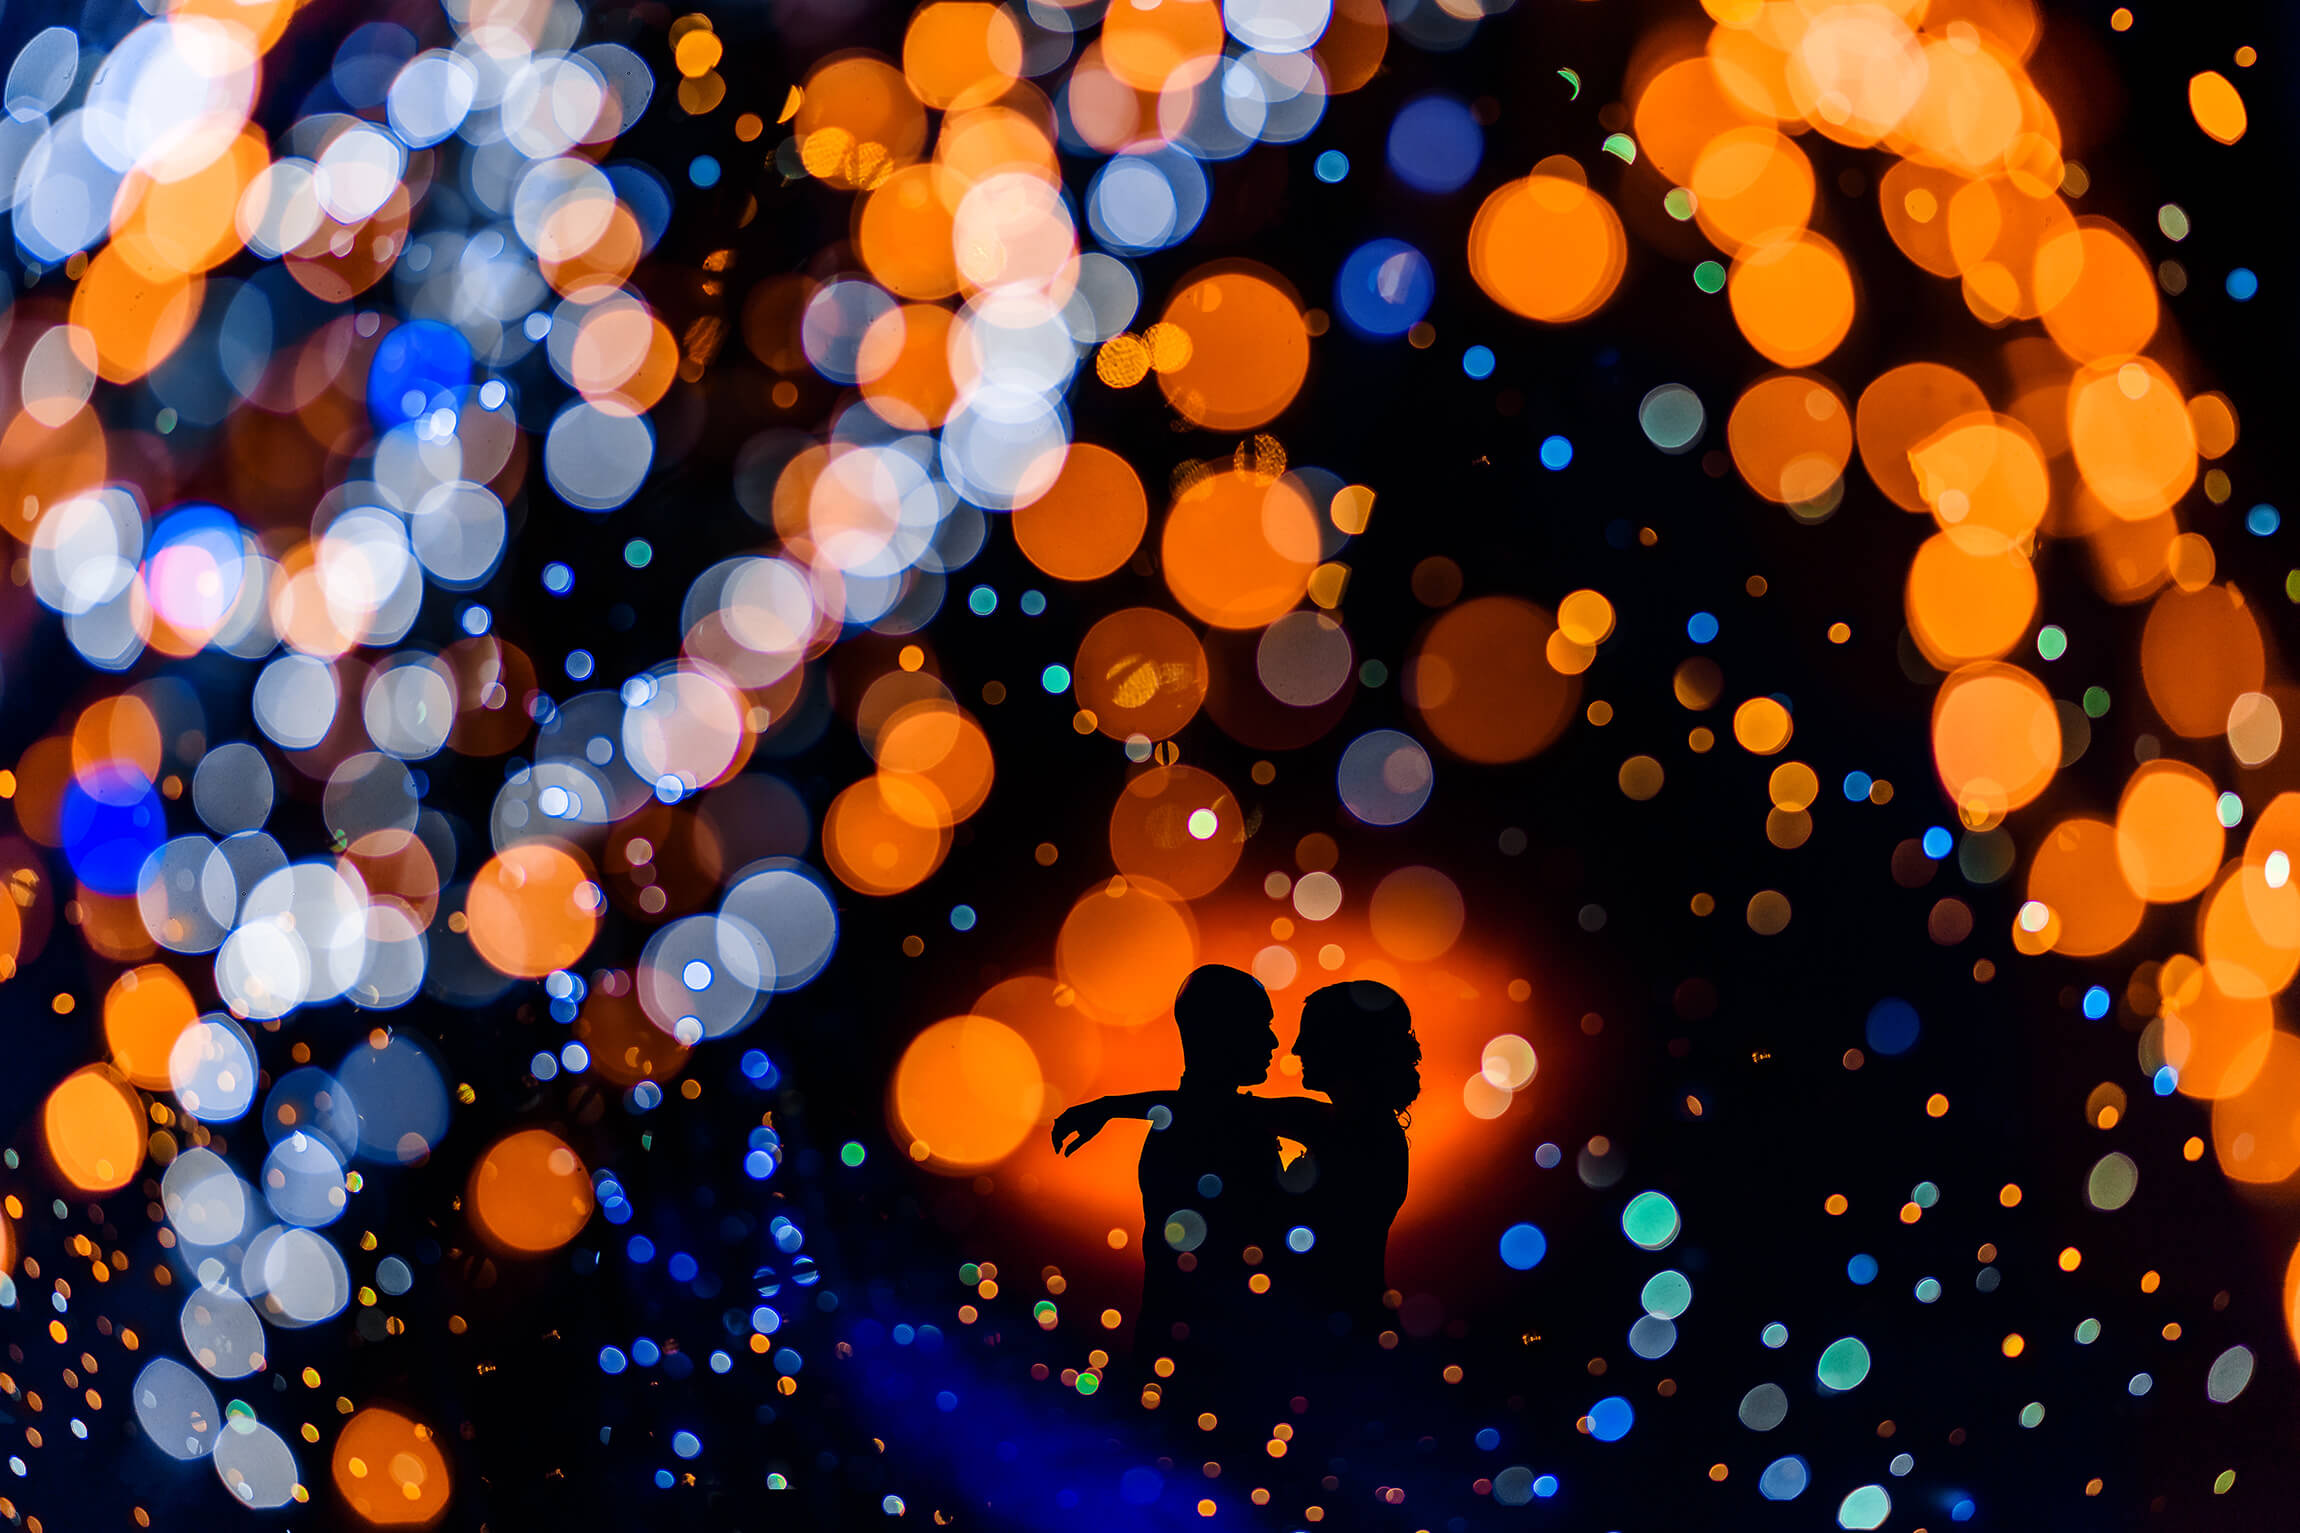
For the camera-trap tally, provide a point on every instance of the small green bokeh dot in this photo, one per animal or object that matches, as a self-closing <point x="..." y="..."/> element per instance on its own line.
<point x="638" y="553"/>
<point x="2032" y="1414"/>
<point x="2225" y="1483"/>
<point x="2051" y="642"/>
<point x="1678" y="204"/>
<point x="852" y="1153"/>
<point x="1088" y="1383"/>
<point x="2095" y="702"/>
<point x="1709" y="277"/>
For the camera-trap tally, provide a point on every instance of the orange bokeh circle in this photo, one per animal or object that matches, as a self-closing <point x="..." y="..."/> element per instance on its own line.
<point x="530" y="1192"/>
<point x="94" y="1126"/>
<point x="389" y="1469"/>
<point x="1239" y="548"/>
<point x="1791" y="437"/>
<point x="2168" y="832"/>
<point x="1482" y="682"/>
<point x="1902" y="407"/>
<point x="941" y="744"/>
<point x="2074" y="874"/>
<point x="1548" y="248"/>
<point x="1124" y="950"/>
<point x="966" y="1093"/>
<point x="1996" y="738"/>
<point x="1792" y="296"/>
<point x="1140" y="672"/>
<point x="144" y="1012"/>
<point x="887" y="833"/>
<point x="1090" y="521"/>
<point x="1248" y="350"/>
<point x="1179" y="827"/>
<point x="533" y="908"/>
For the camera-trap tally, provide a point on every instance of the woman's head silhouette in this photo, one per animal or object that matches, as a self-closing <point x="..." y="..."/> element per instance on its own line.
<point x="1357" y="1045"/>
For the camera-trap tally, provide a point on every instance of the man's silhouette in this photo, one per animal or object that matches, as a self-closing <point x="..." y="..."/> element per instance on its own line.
<point x="1208" y="1178"/>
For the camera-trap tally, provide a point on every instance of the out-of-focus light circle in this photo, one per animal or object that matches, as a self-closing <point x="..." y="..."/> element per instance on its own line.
<point x="186" y="895"/>
<point x="1865" y="1508"/>
<point x="1611" y="1418"/>
<point x="85" y="550"/>
<point x="43" y="73"/>
<point x="1667" y="1294"/>
<point x="966" y="1093"/>
<point x="222" y="1333"/>
<point x="295" y="700"/>
<point x="1304" y="658"/>
<point x="112" y="823"/>
<point x="1523" y="1246"/>
<point x="731" y="960"/>
<point x="400" y="1097"/>
<point x="1003" y="447"/>
<point x="1784" y="1479"/>
<point x="204" y="1199"/>
<point x="1556" y="453"/>
<point x="212" y="1069"/>
<point x="303" y="1181"/>
<point x="1764" y="1407"/>
<point x="1650" y="1221"/>
<point x="176" y="1409"/>
<point x="457" y="530"/>
<point x="64" y="191"/>
<point x="530" y="1193"/>
<point x="1385" y="777"/>
<point x="299" y="1276"/>
<point x="357" y="173"/>
<point x="1435" y="144"/>
<point x="255" y="1464"/>
<point x="1277" y="26"/>
<point x="193" y="565"/>
<point x="430" y="97"/>
<point x="834" y="327"/>
<point x="1652" y="1337"/>
<point x="311" y="1101"/>
<point x="1384" y="288"/>
<point x="1672" y="418"/>
<point x="1844" y="1363"/>
<point x="419" y="369"/>
<point x="1145" y="200"/>
<point x="596" y="459"/>
<point x="1508" y="1061"/>
<point x="1892" y="1026"/>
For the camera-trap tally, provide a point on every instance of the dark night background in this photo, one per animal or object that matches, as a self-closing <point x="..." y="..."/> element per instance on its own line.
<point x="1756" y="1027"/>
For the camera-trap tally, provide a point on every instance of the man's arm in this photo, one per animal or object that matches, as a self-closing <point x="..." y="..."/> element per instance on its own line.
<point x="1089" y="1118"/>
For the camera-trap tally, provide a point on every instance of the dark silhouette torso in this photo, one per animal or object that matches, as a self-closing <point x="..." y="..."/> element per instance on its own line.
<point x="1359" y="1187"/>
<point x="1196" y="1306"/>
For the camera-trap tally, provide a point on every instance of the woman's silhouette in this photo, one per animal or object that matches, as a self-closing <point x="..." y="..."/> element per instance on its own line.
<point x="1357" y="1046"/>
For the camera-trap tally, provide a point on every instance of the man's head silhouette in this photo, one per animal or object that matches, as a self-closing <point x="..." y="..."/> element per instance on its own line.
<point x="1224" y="1016"/>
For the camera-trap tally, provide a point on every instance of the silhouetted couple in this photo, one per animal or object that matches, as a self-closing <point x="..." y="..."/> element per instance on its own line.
<point x="1260" y="1275"/>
